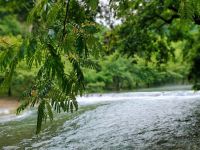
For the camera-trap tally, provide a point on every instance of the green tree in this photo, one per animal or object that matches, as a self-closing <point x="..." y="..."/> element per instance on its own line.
<point x="61" y="39"/>
<point x="152" y="26"/>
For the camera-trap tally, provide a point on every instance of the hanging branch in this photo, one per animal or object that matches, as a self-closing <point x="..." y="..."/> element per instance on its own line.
<point x="65" y="20"/>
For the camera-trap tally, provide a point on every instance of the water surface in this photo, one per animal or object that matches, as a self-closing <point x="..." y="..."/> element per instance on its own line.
<point x="139" y="120"/>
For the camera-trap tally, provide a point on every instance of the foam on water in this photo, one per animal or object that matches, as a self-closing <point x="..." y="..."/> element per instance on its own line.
<point x="4" y="111"/>
<point x="13" y="117"/>
<point x="97" y="98"/>
<point x="111" y="97"/>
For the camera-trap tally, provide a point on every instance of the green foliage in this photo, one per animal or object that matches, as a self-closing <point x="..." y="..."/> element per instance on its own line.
<point x="117" y="73"/>
<point x="189" y="9"/>
<point x="149" y="28"/>
<point x="9" y="26"/>
<point x="59" y="45"/>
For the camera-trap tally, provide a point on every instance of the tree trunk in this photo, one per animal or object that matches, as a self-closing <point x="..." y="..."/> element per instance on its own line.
<point x="9" y="92"/>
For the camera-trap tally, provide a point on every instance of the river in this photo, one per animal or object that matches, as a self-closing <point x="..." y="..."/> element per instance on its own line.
<point x="115" y="121"/>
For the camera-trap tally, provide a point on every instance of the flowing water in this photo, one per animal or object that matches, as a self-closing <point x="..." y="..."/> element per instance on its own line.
<point x="115" y="121"/>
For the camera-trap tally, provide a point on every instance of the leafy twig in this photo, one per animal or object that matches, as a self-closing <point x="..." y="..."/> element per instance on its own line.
<point x="65" y="20"/>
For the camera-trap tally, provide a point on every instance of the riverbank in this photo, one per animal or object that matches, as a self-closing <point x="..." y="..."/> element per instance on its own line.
<point x="167" y="87"/>
<point x="12" y="103"/>
<point x="8" y="105"/>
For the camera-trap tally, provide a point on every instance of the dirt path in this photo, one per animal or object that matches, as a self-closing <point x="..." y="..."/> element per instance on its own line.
<point x="8" y="102"/>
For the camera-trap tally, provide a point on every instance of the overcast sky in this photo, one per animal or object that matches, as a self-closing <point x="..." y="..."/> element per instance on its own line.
<point x="104" y="1"/>
<point x="103" y="21"/>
